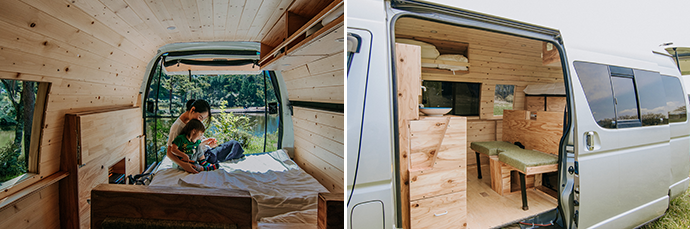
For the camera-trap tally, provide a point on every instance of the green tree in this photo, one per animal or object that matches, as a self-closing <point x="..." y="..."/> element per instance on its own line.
<point x="228" y="126"/>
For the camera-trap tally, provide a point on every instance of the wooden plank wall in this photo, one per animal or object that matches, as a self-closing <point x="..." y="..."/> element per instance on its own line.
<point x="319" y="145"/>
<point x="319" y="134"/>
<point x="494" y="59"/>
<point x="321" y="80"/>
<point x="89" y="64"/>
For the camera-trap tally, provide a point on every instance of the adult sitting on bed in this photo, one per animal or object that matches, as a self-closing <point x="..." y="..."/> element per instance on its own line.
<point x="200" y="110"/>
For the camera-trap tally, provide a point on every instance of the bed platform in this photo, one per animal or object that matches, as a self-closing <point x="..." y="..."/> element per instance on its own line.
<point x="284" y="195"/>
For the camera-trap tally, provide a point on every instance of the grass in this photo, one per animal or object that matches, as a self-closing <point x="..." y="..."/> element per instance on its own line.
<point x="499" y="106"/>
<point x="677" y="215"/>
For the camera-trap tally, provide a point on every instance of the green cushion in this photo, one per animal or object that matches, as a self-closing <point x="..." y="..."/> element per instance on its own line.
<point x="492" y="148"/>
<point x="522" y="158"/>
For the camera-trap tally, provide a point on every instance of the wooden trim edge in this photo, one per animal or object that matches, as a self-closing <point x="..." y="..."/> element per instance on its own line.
<point x="38" y="186"/>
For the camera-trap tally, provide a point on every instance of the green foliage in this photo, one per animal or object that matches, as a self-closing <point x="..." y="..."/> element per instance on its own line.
<point x="228" y="126"/>
<point x="11" y="165"/>
<point x="503" y="91"/>
<point x="156" y="142"/>
<point x="256" y="144"/>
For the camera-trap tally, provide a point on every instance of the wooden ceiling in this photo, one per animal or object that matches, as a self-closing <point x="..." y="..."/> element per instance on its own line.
<point x="150" y="24"/>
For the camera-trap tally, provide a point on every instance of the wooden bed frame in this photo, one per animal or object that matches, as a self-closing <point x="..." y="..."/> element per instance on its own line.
<point x="203" y="205"/>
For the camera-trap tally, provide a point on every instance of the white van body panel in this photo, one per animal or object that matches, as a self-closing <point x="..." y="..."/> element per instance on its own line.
<point x="374" y="147"/>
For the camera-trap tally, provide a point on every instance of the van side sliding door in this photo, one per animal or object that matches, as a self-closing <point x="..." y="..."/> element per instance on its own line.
<point x="622" y="148"/>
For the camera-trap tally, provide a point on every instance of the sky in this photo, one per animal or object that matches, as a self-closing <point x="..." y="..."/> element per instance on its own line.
<point x="631" y="26"/>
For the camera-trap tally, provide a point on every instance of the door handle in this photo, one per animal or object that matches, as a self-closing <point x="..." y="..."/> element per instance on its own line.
<point x="441" y="213"/>
<point x="589" y="140"/>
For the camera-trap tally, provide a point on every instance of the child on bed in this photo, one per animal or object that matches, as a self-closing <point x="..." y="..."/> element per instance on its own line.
<point x="188" y="141"/>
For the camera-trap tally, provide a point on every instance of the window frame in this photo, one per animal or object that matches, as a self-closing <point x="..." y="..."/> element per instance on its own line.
<point x="32" y="175"/>
<point x="494" y="100"/>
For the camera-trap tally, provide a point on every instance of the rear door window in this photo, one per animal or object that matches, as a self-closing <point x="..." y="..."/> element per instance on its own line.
<point x="652" y="98"/>
<point x="675" y="99"/>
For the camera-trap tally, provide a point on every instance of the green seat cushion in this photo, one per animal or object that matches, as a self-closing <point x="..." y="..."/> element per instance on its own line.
<point x="492" y="148"/>
<point x="522" y="158"/>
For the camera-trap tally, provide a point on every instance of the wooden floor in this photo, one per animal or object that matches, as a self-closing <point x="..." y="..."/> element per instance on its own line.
<point x="487" y="209"/>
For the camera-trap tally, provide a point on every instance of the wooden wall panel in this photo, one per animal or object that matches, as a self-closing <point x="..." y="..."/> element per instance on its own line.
<point x="479" y="131"/>
<point x="543" y="133"/>
<point x="322" y="80"/>
<point x="319" y="145"/>
<point x="38" y="210"/>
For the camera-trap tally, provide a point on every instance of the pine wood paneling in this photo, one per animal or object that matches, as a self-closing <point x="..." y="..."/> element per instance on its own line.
<point x="319" y="81"/>
<point x="319" y="138"/>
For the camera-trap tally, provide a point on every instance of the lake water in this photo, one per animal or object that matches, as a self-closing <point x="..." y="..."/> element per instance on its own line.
<point x="258" y="129"/>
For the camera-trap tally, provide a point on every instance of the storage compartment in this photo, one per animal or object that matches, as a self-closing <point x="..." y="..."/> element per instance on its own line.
<point x="440" y="55"/>
<point x="447" y="211"/>
<point x="117" y="173"/>
<point x="303" y="22"/>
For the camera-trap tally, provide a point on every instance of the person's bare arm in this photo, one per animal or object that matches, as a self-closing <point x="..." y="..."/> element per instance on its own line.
<point x="185" y="165"/>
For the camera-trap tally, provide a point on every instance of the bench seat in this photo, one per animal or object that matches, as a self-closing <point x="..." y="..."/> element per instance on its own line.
<point x="527" y="162"/>
<point x="523" y="159"/>
<point x="492" y="148"/>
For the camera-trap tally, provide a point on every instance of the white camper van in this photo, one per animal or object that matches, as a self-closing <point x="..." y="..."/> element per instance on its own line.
<point x="534" y="132"/>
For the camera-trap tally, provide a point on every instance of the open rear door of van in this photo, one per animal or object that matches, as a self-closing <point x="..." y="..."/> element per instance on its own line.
<point x="621" y="146"/>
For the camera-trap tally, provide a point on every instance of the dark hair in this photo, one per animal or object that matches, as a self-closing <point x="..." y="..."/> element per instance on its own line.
<point x="193" y="125"/>
<point x="199" y="106"/>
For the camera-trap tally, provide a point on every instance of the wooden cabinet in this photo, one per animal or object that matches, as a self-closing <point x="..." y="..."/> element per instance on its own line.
<point x="303" y="23"/>
<point x="432" y="154"/>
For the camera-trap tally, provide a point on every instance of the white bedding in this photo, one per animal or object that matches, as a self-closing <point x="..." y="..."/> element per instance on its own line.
<point x="274" y="181"/>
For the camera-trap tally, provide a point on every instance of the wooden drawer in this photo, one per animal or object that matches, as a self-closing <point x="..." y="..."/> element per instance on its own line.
<point x="446" y="211"/>
<point x="424" y="184"/>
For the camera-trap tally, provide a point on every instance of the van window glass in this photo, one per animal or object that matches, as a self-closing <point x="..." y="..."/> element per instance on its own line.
<point x="626" y="102"/>
<point x="503" y="98"/>
<point x="597" y="86"/>
<point x="650" y="89"/>
<point x="675" y="99"/>
<point x="462" y="97"/>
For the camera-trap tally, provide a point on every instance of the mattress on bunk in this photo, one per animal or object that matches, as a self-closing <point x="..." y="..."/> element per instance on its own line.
<point x="276" y="183"/>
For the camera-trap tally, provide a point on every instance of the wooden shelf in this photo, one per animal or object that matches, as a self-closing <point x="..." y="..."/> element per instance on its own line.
<point x="289" y="33"/>
<point x="446" y="62"/>
<point x="444" y="47"/>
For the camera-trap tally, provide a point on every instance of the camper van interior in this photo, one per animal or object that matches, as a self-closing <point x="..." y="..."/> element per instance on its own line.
<point x="100" y="75"/>
<point x="501" y="89"/>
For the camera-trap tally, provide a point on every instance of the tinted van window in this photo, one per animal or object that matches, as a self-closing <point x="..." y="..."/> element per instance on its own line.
<point x="597" y="86"/>
<point x="675" y="99"/>
<point x="650" y="89"/>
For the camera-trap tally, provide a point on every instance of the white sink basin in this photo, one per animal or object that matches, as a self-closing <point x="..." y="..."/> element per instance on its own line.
<point x="435" y="111"/>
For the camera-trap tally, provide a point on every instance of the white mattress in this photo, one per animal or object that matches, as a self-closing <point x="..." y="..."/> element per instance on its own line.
<point x="274" y="181"/>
